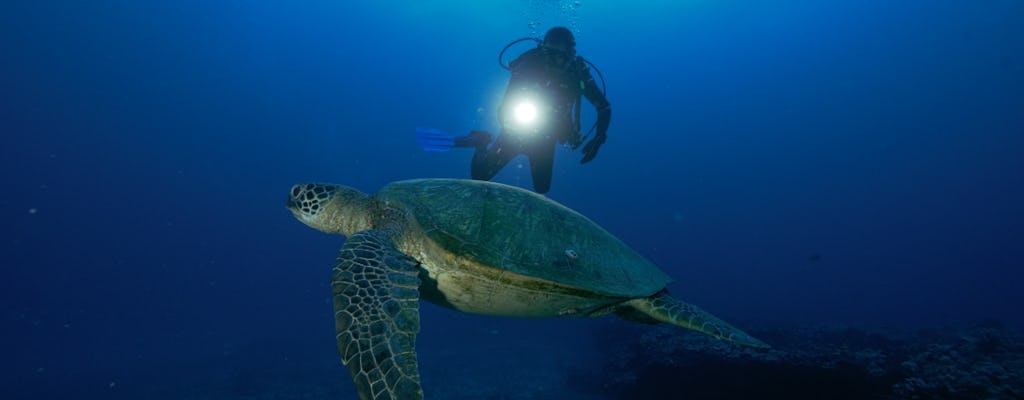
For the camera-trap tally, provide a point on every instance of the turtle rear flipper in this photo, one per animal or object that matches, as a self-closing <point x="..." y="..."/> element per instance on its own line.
<point x="664" y="308"/>
<point x="376" y="314"/>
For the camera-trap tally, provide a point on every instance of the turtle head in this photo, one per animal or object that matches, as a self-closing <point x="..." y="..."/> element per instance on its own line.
<point x="330" y="208"/>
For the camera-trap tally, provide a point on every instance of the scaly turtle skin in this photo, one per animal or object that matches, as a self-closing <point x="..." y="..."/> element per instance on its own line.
<point x="477" y="247"/>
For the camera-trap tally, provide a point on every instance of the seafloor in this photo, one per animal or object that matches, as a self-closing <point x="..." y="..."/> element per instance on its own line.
<point x="628" y="361"/>
<point x="978" y="361"/>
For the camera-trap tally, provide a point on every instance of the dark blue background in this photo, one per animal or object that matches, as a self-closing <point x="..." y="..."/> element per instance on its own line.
<point x="148" y="147"/>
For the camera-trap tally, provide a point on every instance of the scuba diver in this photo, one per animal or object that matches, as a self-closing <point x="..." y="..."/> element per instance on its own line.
<point x="541" y="108"/>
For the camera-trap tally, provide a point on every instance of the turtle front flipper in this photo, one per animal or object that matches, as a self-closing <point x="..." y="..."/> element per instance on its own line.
<point x="663" y="307"/>
<point x="376" y="315"/>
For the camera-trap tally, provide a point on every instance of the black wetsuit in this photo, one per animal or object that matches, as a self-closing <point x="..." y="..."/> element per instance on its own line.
<point x="539" y="74"/>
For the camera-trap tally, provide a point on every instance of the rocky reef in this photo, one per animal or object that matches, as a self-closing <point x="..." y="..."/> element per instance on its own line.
<point x="976" y="361"/>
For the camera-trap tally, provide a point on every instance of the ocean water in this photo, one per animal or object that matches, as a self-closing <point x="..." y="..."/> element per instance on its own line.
<point x="791" y="164"/>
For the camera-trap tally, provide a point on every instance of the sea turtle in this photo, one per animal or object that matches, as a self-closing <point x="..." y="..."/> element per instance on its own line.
<point x="477" y="247"/>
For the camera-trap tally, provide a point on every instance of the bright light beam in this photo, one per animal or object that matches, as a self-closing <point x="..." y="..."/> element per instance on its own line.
<point x="526" y="113"/>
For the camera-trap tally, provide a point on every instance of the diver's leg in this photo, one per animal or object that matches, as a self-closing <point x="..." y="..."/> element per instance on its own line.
<point x="478" y="139"/>
<point x="542" y="157"/>
<point x="488" y="162"/>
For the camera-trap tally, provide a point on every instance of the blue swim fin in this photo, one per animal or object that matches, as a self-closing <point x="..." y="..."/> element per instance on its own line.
<point x="433" y="140"/>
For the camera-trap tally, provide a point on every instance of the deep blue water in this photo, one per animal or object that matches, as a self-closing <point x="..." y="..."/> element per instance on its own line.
<point x="788" y="163"/>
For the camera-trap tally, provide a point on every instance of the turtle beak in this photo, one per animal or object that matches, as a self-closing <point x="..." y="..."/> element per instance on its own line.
<point x="330" y="208"/>
<point x="315" y="205"/>
<point x="292" y="203"/>
<point x="305" y="200"/>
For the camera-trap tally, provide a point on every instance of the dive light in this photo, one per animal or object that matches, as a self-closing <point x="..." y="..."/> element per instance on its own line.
<point x="526" y="113"/>
<point x="527" y="116"/>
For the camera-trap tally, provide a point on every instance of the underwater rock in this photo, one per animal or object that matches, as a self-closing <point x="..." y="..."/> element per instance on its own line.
<point x="981" y="361"/>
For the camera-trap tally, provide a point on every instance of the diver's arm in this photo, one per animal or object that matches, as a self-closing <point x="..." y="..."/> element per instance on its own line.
<point x="604" y="119"/>
<point x="604" y="115"/>
<point x="520" y="69"/>
<point x="594" y="95"/>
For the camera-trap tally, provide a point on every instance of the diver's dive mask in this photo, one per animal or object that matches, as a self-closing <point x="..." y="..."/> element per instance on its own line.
<point x="560" y="39"/>
<point x="559" y="48"/>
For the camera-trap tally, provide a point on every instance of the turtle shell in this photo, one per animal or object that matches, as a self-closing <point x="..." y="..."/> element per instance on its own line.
<point x="513" y="229"/>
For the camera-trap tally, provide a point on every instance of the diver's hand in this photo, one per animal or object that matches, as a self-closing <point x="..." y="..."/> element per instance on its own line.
<point x="575" y="141"/>
<point x="590" y="149"/>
